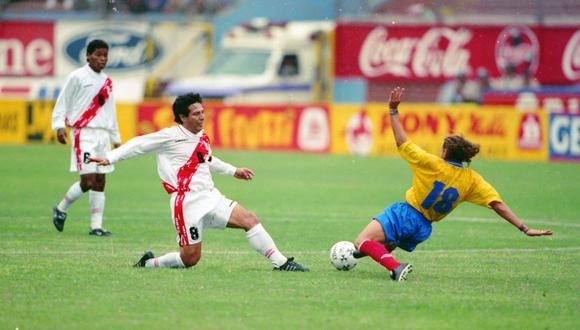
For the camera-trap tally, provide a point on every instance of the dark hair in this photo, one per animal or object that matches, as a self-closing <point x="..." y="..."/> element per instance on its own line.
<point x="96" y="44"/>
<point x="459" y="149"/>
<point x="182" y="103"/>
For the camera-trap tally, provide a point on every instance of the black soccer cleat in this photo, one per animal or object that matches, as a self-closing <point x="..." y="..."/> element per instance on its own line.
<point x="400" y="273"/>
<point x="146" y="256"/>
<point x="292" y="266"/>
<point x="100" y="232"/>
<point x="357" y="254"/>
<point x="58" y="218"/>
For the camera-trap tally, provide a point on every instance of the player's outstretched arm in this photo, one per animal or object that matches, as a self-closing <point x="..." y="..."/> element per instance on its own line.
<point x="244" y="174"/>
<point x="505" y="212"/>
<point x="99" y="161"/>
<point x="394" y="100"/>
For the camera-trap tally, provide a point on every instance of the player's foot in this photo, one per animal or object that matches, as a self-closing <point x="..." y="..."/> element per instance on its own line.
<point x="292" y="266"/>
<point x="100" y="232"/>
<point x="58" y="218"/>
<point x="357" y="254"/>
<point x="146" y="256"/>
<point x="399" y="274"/>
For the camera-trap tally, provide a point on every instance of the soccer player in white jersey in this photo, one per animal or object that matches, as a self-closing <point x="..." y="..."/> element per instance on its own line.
<point x="184" y="164"/>
<point x="86" y="104"/>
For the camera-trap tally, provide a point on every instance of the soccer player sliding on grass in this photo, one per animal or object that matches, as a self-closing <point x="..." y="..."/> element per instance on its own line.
<point x="439" y="185"/>
<point x="185" y="164"/>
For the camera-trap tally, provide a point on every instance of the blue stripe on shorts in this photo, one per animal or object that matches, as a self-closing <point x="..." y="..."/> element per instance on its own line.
<point x="404" y="226"/>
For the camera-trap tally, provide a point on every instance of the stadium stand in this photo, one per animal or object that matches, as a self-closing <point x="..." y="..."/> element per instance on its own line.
<point x="488" y="10"/>
<point x="135" y="7"/>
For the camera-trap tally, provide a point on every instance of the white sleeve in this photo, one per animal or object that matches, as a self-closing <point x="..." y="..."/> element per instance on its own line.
<point x="139" y="145"/>
<point x="221" y="167"/>
<point x="115" y="135"/>
<point x="63" y="101"/>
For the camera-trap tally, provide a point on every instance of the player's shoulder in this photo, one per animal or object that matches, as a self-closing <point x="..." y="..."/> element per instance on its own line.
<point x="171" y="130"/>
<point x="80" y="72"/>
<point x="175" y="132"/>
<point x="473" y="175"/>
<point x="76" y="74"/>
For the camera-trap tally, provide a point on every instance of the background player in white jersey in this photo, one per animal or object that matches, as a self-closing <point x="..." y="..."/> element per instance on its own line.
<point x="86" y="104"/>
<point x="184" y="164"/>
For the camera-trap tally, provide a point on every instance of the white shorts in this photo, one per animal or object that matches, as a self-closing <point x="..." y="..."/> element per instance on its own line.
<point x="94" y="142"/>
<point x="199" y="210"/>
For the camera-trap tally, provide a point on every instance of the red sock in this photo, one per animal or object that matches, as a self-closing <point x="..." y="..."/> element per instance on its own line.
<point x="379" y="253"/>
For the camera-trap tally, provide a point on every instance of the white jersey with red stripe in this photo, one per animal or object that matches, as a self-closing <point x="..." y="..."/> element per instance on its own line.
<point x="174" y="147"/>
<point x="80" y="87"/>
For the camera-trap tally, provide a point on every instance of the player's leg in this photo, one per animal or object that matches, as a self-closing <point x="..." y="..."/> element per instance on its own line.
<point x="259" y="238"/>
<point x="188" y="256"/>
<point x="97" y="205"/>
<point x="189" y="225"/>
<point x="96" y="184"/>
<point x="73" y="193"/>
<point x="371" y="241"/>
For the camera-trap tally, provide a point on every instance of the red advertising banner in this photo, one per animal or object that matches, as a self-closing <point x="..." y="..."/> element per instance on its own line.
<point x="285" y="128"/>
<point x="436" y="53"/>
<point x="26" y="49"/>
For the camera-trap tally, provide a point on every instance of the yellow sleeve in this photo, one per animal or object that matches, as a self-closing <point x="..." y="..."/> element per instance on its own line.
<point x="482" y="193"/>
<point x="414" y="155"/>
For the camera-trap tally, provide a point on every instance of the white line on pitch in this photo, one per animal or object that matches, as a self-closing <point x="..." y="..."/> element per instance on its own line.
<point x="298" y="252"/>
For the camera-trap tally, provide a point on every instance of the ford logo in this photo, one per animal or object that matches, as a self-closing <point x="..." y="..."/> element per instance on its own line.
<point x="128" y="50"/>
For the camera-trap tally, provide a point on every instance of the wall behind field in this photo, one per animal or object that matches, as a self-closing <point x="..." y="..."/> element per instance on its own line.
<point x="359" y="129"/>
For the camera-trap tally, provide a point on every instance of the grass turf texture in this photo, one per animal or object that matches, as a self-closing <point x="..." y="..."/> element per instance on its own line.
<point x="476" y="271"/>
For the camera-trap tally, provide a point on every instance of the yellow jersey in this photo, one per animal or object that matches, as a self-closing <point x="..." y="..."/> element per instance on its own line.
<point x="439" y="185"/>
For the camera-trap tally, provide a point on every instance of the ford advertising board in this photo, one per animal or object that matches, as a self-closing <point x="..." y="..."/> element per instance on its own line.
<point x="129" y="50"/>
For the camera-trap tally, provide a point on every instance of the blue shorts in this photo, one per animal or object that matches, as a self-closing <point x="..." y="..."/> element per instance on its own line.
<point x="404" y="226"/>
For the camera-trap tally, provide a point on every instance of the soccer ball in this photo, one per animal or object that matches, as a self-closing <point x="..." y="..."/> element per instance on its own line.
<point x="341" y="255"/>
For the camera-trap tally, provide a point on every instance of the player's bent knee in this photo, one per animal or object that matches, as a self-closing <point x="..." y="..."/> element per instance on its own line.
<point x="250" y="220"/>
<point x="358" y="241"/>
<point x="190" y="261"/>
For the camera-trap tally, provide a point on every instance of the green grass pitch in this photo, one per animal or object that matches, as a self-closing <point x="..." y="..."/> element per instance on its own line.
<point x="475" y="272"/>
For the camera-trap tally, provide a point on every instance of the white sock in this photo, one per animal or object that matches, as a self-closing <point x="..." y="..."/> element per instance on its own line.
<point x="73" y="193"/>
<point x="97" y="206"/>
<point x="261" y="241"/>
<point x="170" y="260"/>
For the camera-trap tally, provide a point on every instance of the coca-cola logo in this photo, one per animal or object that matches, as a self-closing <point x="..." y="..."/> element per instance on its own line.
<point x="127" y="49"/>
<point x="439" y="53"/>
<point x="517" y="49"/>
<point x="571" y="58"/>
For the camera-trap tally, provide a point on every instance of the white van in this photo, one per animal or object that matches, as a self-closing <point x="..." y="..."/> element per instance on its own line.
<point x="269" y="63"/>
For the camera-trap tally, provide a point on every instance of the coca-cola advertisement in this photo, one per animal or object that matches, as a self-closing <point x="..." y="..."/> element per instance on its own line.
<point x="391" y="52"/>
<point x="26" y="49"/>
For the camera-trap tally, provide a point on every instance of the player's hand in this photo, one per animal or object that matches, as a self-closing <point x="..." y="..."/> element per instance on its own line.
<point x="61" y="135"/>
<point x="535" y="232"/>
<point x="396" y="97"/>
<point x="244" y="174"/>
<point x="99" y="161"/>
